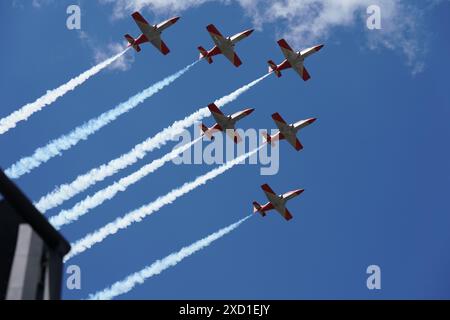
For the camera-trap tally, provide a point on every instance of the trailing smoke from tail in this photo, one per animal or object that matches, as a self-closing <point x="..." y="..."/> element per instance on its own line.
<point x="82" y="182"/>
<point x="91" y="202"/>
<point x="126" y="285"/>
<point x="137" y="215"/>
<point x="65" y="142"/>
<point x="51" y="96"/>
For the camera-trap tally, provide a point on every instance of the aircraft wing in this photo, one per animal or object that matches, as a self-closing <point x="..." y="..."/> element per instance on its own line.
<point x="215" y="35"/>
<point x="271" y="196"/>
<point x="232" y="56"/>
<point x="142" y="24"/>
<point x="160" y="45"/>
<point x="294" y="142"/>
<point x="233" y="135"/>
<point x="301" y="70"/>
<point x="217" y="114"/>
<point x="286" y="214"/>
<point x="286" y="49"/>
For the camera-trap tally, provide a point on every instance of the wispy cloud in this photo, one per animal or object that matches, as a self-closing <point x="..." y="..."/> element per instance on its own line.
<point x="306" y="22"/>
<point x="309" y="21"/>
<point x="100" y="52"/>
<point x="124" y="7"/>
<point x="40" y="3"/>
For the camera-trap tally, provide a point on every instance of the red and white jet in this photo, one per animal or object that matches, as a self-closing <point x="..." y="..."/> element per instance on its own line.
<point x="294" y="60"/>
<point x="277" y="202"/>
<point x="150" y="33"/>
<point x="288" y="131"/>
<point x="224" y="123"/>
<point x="223" y="45"/>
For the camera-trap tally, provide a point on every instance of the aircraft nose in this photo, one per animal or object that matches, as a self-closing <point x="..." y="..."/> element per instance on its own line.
<point x="319" y="47"/>
<point x="250" y="110"/>
<point x="175" y="19"/>
<point x="312" y="120"/>
<point x="249" y="32"/>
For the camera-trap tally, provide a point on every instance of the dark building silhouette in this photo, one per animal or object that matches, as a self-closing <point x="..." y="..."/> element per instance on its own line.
<point x="31" y="250"/>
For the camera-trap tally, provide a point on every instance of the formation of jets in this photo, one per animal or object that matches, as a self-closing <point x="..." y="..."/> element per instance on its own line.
<point x="286" y="132"/>
<point x="222" y="45"/>
<point x="226" y="123"/>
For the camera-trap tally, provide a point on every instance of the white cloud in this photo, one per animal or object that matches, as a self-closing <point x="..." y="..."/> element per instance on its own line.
<point x="307" y="22"/>
<point x="20" y="4"/>
<point x="111" y="49"/>
<point x="103" y="52"/>
<point x="124" y="7"/>
<point x="40" y="3"/>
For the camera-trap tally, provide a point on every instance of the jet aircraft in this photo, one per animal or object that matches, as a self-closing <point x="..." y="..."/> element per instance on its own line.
<point x="277" y="202"/>
<point x="150" y="33"/>
<point x="223" y="45"/>
<point x="294" y="60"/>
<point x="287" y="131"/>
<point x="224" y="123"/>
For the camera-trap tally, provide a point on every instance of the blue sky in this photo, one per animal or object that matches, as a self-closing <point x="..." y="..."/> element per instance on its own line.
<point x="375" y="165"/>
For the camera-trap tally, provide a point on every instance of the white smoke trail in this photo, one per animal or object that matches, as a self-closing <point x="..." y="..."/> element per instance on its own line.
<point x="82" y="182"/>
<point x="90" y="202"/>
<point x="137" y="215"/>
<point x="51" y="96"/>
<point x="126" y="285"/>
<point x="65" y="142"/>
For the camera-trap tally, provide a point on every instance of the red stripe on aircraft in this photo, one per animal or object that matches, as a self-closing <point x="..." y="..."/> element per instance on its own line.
<point x="266" y="188"/>
<point x="237" y="62"/>
<point x="282" y="43"/>
<point x="164" y="49"/>
<point x="211" y="28"/>
<point x="138" y="17"/>
<point x="277" y="117"/>
<point x="298" y="145"/>
<point x="248" y="111"/>
<point x="213" y="108"/>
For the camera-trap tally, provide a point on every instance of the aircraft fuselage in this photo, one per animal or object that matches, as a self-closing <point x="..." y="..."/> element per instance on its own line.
<point x="227" y="124"/>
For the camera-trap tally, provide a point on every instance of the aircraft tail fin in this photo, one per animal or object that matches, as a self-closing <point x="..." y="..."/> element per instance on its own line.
<point x="204" y="54"/>
<point x="132" y="43"/>
<point x="204" y="130"/>
<point x="273" y="68"/>
<point x="257" y="208"/>
<point x="268" y="138"/>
